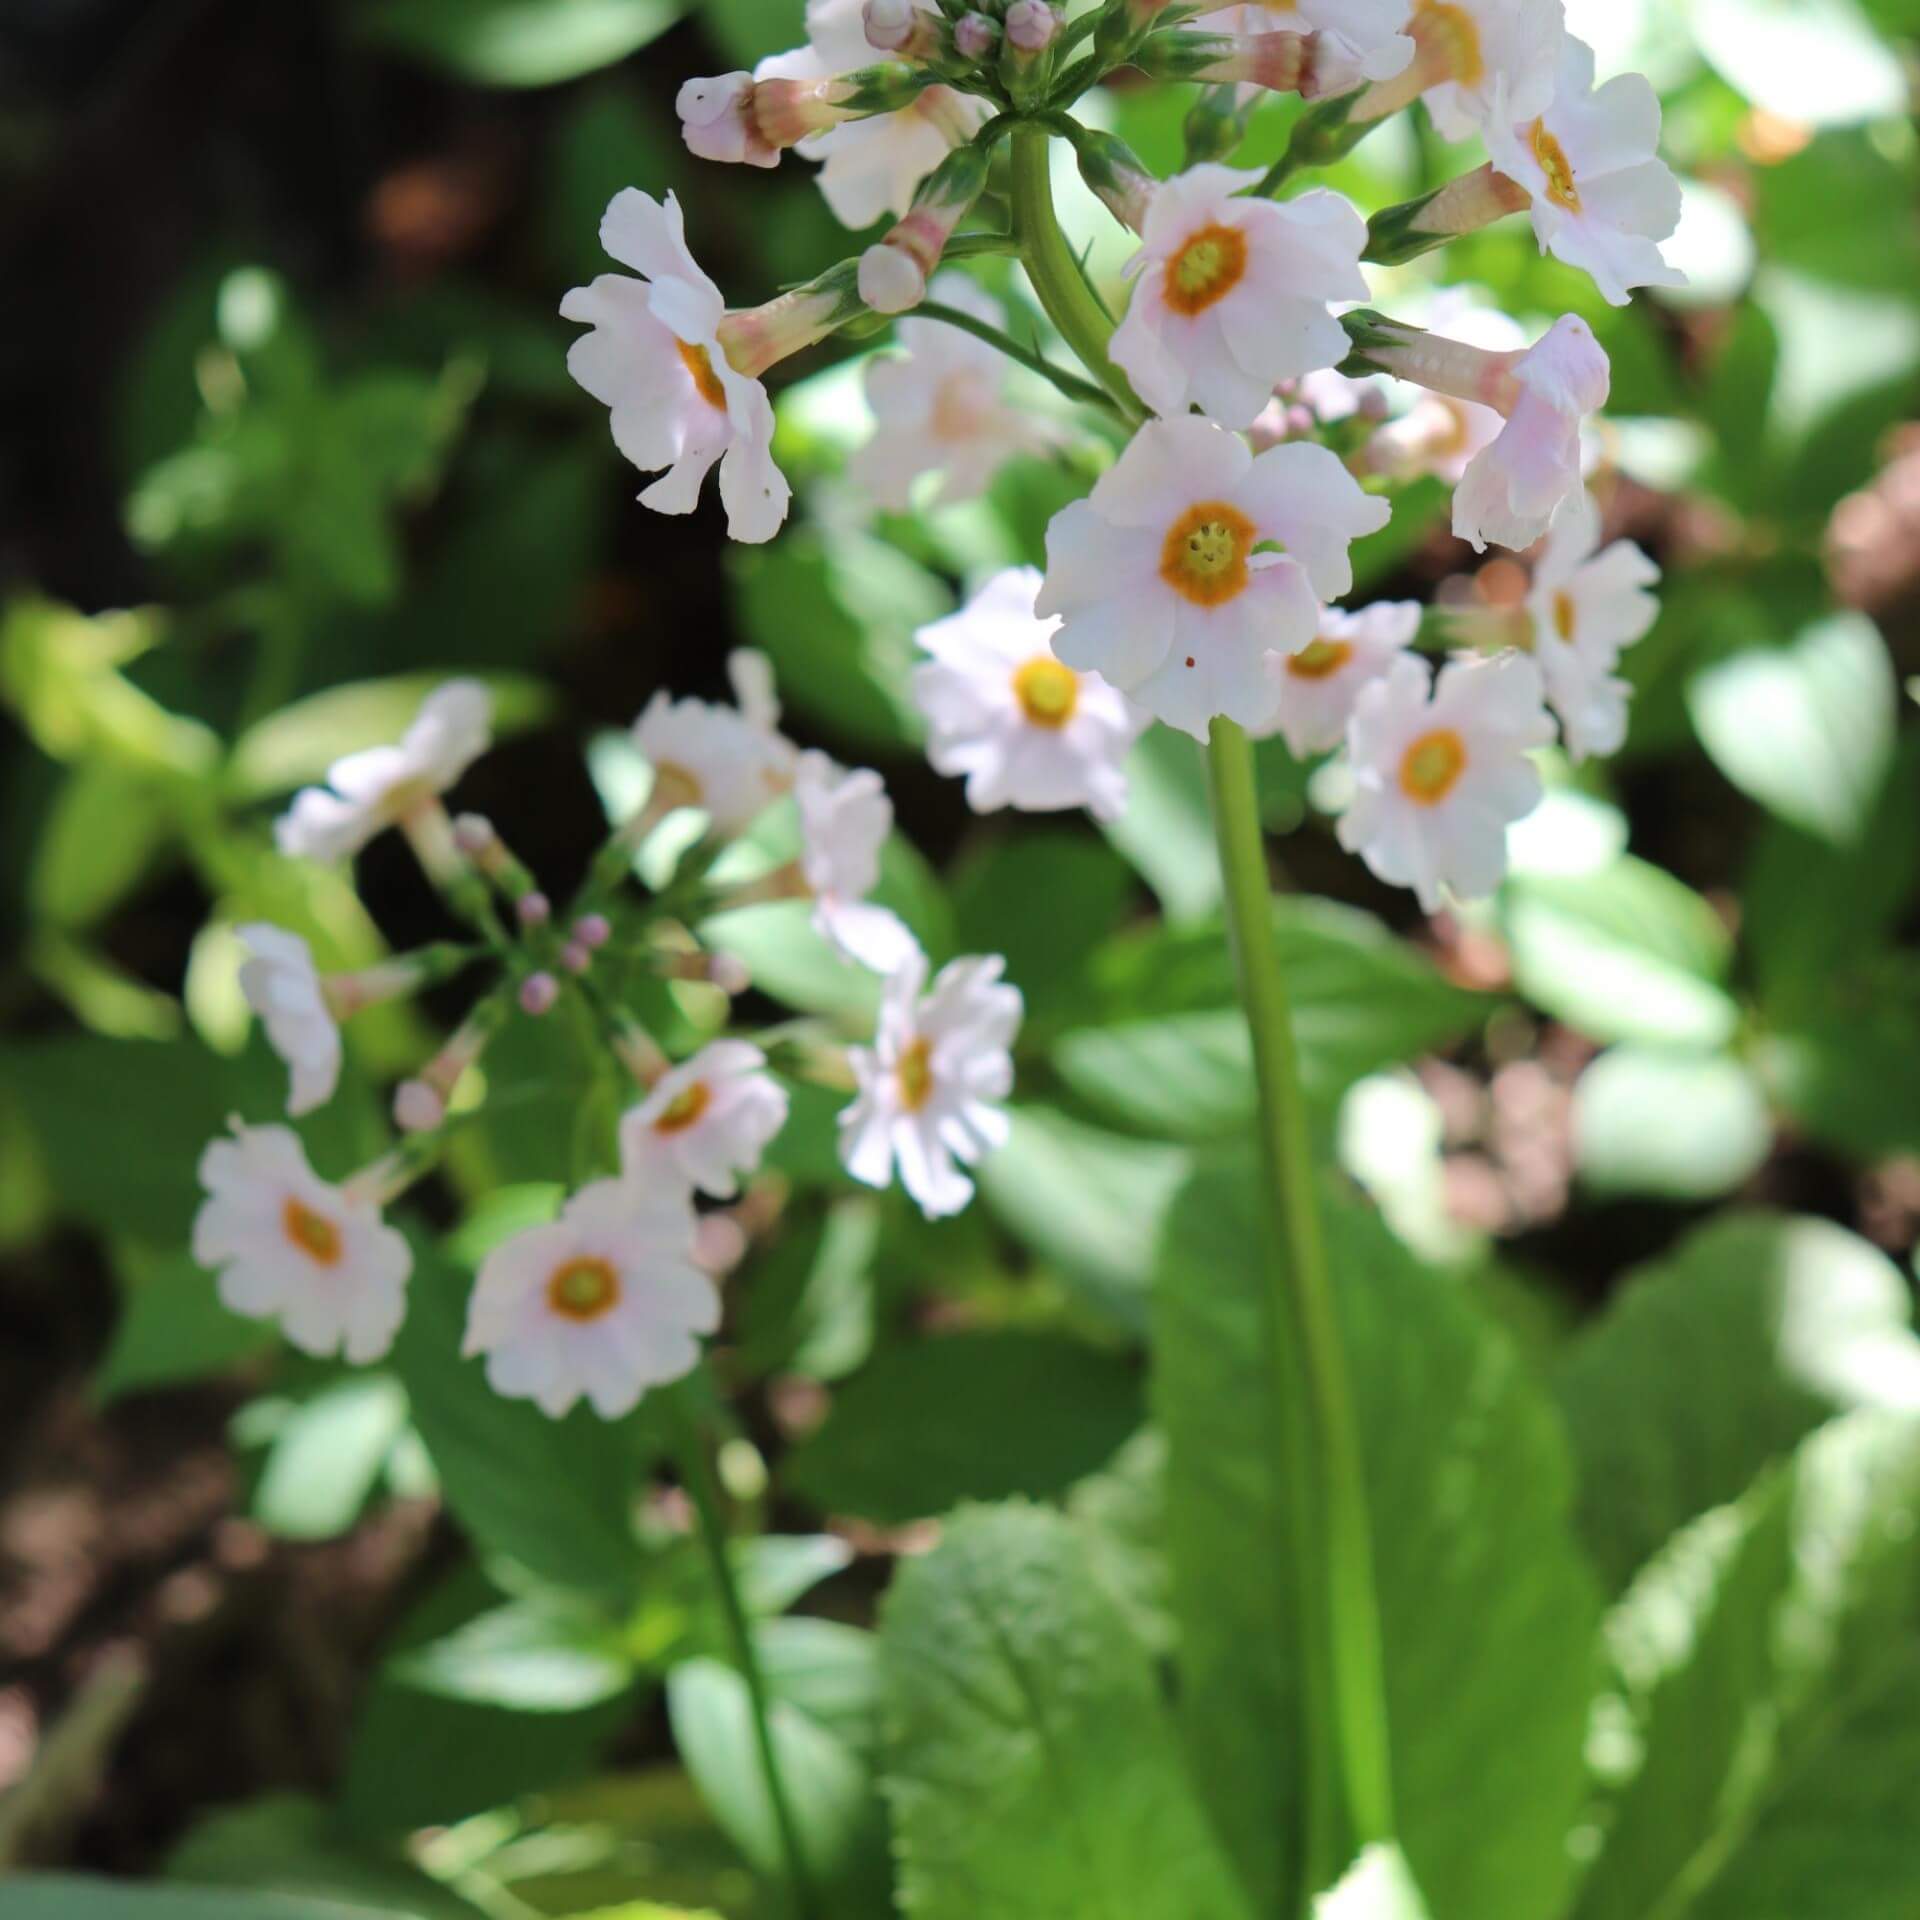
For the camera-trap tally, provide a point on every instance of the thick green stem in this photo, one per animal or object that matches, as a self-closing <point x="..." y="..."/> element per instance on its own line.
<point x="1349" y="1609"/>
<point x="697" y="1475"/>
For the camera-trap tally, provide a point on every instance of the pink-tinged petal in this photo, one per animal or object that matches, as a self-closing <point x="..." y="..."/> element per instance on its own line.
<point x="1169" y="466"/>
<point x="1123" y="637"/>
<point x="1089" y="559"/>
<point x="642" y="233"/>
<point x="1303" y="496"/>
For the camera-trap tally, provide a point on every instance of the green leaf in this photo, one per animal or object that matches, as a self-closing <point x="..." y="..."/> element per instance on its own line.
<point x="553" y="1495"/>
<point x="1626" y="954"/>
<point x="1849" y="1073"/>
<point x="326" y="1455"/>
<point x="534" y="1656"/>
<point x="1808" y="732"/>
<point x="972" y="1416"/>
<point x="1167" y="829"/>
<point x="1487" y="1612"/>
<point x="1682" y="1126"/>
<point x="1031" y="1767"/>
<point x="1719" y="1359"/>
<point x="103" y="836"/>
<point x="515" y="43"/>
<point x="172" y="1327"/>
<point x="63" y="1896"/>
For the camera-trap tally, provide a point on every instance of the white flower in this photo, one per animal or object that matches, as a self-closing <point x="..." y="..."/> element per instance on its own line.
<point x="1603" y="199"/>
<point x="603" y="1302"/>
<point x="1440" y="772"/>
<point x="1500" y="56"/>
<point x="284" y="988"/>
<point x="728" y="761"/>
<point x="871" y="166"/>
<point x="1319" y="685"/>
<point x="1442" y="435"/>
<point x="706" y="1121"/>
<point x="1513" y="488"/>
<point x="1192" y="561"/>
<point x="1231" y="293"/>
<point x="1587" y="608"/>
<point x="1022" y="727"/>
<point x="655" y="359"/>
<point x="289" y="1246"/>
<point x="845" y="819"/>
<point x="383" y="786"/>
<point x="943" y="408"/>
<point x="931" y="1085"/>
<point x="716" y="124"/>
<point x="1371" y="33"/>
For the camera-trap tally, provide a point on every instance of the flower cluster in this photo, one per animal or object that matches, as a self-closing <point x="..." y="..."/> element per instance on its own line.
<point x="612" y="1296"/>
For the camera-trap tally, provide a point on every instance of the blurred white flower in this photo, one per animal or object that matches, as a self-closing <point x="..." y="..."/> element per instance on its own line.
<point x="1372" y="33"/>
<point x="1497" y="57"/>
<point x="705" y="1122"/>
<point x="932" y="1084"/>
<point x="291" y="1247"/>
<point x="728" y="761"/>
<point x="604" y="1302"/>
<point x="1231" y="293"/>
<point x="284" y="988"/>
<point x="654" y="358"/>
<point x="1603" y="199"/>
<point x="845" y="819"/>
<point x="1587" y="608"/>
<point x="1440" y="771"/>
<point x="1513" y="488"/>
<point x="1439" y="434"/>
<point x="1192" y="561"/>
<point x="1318" y="686"/>
<point x="384" y="786"/>
<point x="942" y="408"/>
<point x="1024" y="729"/>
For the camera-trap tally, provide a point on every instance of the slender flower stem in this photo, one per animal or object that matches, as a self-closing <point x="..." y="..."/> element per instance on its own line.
<point x="1070" y="384"/>
<point x="696" y="1472"/>
<point x="1350" y="1614"/>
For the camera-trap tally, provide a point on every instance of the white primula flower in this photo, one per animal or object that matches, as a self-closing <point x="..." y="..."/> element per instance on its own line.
<point x="655" y="359"/>
<point x="1499" y="57"/>
<point x="1440" y="771"/>
<point x="383" y="786"/>
<point x="1603" y="199"/>
<point x="1231" y="294"/>
<point x="1372" y="33"/>
<point x="870" y="166"/>
<point x="1440" y="434"/>
<point x="931" y="1086"/>
<point x="705" y="1122"/>
<point x="1587" y="608"/>
<point x="292" y="1247"/>
<point x="943" y="408"/>
<point x="1513" y="488"/>
<point x="604" y="1302"/>
<point x="845" y="819"/>
<point x="284" y="988"/>
<point x="1192" y="561"/>
<point x="1023" y="729"/>
<point x="728" y="761"/>
<point x="1318" y="685"/>
<point x="717" y="123"/>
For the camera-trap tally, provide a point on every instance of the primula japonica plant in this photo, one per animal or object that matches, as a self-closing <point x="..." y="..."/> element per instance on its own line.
<point x="1207" y="1692"/>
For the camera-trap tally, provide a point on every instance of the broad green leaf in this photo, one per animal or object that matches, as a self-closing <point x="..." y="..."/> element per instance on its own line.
<point x="1378" y="1886"/>
<point x="1627" y="954"/>
<point x="538" y="1655"/>
<point x="172" y="1327"/>
<point x="1167" y="829"/>
<point x="1684" y="1126"/>
<point x="1849" y="1074"/>
<point x="326" y="1455"/>
<point x="1809" y="731"/>
<point x="516" y="43"/>
<point x="1717" y="1360"/>
<point x="1487" y="1612"/>
<point x="972" y="1416"/>
<point x="68" y="1896"/>
<point x="1031" y="1767"/>
<point x="104" y="835"/>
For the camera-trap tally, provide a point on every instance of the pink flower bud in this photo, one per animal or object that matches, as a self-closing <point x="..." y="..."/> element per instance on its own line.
<point x="717" y="123"/>
<point x="1032" y="25"/>
<point x="533" y="909"/>
<point x="417" y="1108"/>
<point x="891" y="280"/>
<point x="593" y="931"/>
<point x="975" y="35"/>
<point x="889" y="23"/>
<point x="473" y="834"/>
<point x="575" y="957"/>
<point x="729" y="973"/>
<point x="538" y="992"/>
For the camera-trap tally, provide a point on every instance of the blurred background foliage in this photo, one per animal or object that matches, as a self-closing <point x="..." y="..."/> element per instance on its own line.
<point x="290" y="433"/>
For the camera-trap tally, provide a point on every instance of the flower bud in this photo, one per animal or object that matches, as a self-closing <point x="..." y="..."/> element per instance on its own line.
<point x="538" y="992"/>
<point x="890" y="279"/>
<point x="417" y="1108"/>
<point x="975" y="35"/>
<point x="717" y="122"/>
<point x="593" y="931"/>
<point x="889" y="23"/>
<point x="473" y="834"/>
<point x="894" y="274"/>
<point x="785" y="112"/>
<point x="533" y="910"/>
<point x="1114" y="172"/>
<point x="576" y="957"/>
<point x="1032" y="26"/>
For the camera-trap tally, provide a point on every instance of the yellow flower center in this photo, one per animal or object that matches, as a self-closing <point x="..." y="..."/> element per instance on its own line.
<point x="1449" y="40"/>
<point x="1047" y="691"/>
<point x="914" y="1073"/>
<point x="583" y="1289"/>
<point x="1321" y="661"/>
<point x="1566" y="617"/>
<point x="1209" y="265"/>
<point x="1205" y="555"/>
<point x="706" y="383"/>
<point x="1430" y="769"/>
<point x="312" y="1233"/>
<point x="684" y="1108"/>
<point x="1561" y="189"/>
